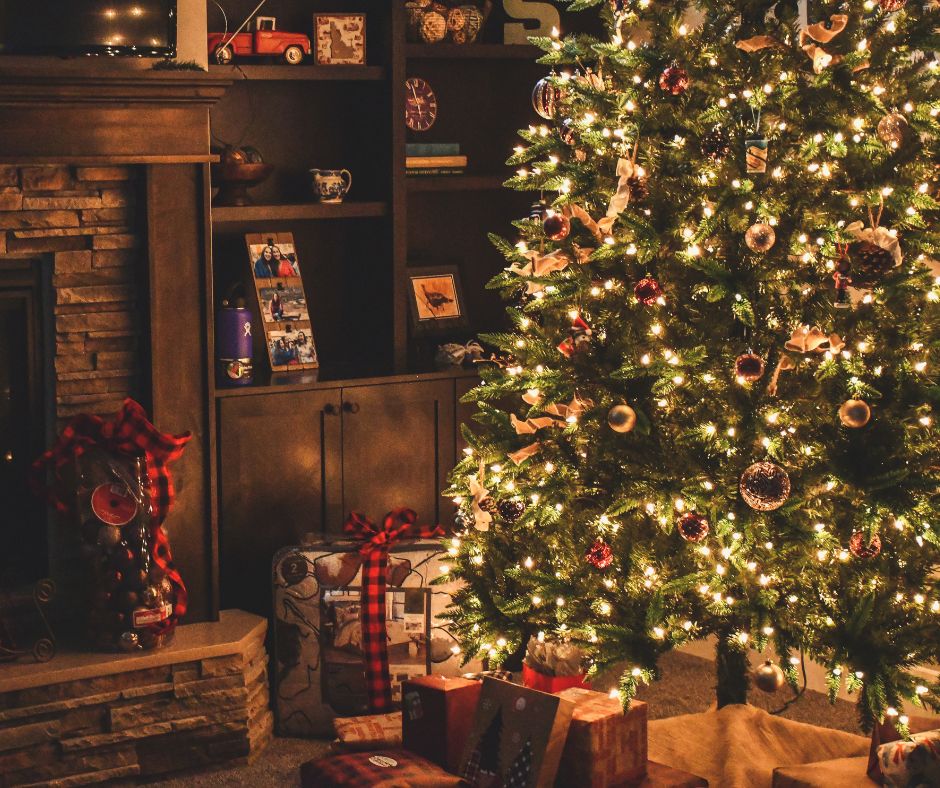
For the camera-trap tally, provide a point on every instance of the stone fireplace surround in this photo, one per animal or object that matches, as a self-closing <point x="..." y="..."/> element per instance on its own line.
<point x="105" y="171"/>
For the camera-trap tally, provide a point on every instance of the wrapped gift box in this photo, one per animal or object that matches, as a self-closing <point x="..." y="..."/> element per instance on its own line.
<point x="545" y="683"/>
<point x="437" y="714"/>
<point x="319" y="671"/>
<point x="381" y="769"/>
<point x="369" y="732"/>
<point x="517" y="737"/>
<point x="605" y="746"/>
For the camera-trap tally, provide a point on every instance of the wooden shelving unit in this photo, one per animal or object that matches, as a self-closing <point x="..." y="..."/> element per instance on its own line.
<point x="301" y="73"/>
<point x="455" y="183"/>
<point x="298" y="211"/>
<point x="472" y="51"/>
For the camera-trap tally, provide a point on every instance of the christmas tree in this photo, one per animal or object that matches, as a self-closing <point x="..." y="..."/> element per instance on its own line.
<point x="715" y="411"/>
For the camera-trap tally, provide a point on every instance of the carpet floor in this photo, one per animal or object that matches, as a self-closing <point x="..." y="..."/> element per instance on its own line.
<point x="687" y="686"/>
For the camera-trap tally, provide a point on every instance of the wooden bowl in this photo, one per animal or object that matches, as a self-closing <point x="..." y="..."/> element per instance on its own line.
<point x="235" y="178"/>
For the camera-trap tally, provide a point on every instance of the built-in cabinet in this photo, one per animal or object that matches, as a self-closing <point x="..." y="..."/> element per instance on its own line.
<point x="296" y="462"/>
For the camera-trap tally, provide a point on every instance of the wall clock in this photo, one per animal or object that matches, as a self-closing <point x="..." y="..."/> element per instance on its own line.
<point x="420" y="104"/>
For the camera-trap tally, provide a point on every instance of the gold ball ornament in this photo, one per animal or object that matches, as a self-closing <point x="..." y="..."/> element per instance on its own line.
<point x="749" y="367"/>
<point x="854" y="413"/>
<point x="860" y="548"/>
<point x="765" y="486"/>
<point x="692" y="527"/>
<point x="621" y="418"/>
<point x="760" y="237"/>
<point x="769" y="677"/>
<point x="892" y="129"/>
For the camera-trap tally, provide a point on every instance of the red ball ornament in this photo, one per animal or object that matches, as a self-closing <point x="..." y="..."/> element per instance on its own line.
<point x="647" y="290"/>
<point x="545" y="98"/>
<point x="674" y="80"/>
<point x="556" y="226"/>
<point x="692" y="527"/>
<point x="860" y="549"/>
<point x="890" y="6"/>
<point x="748" y="367"/>
<point x="599" y="555"/>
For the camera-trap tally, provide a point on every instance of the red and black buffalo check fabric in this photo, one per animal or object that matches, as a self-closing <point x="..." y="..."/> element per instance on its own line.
<point x="130" y="433"/>
<point x="376" y="542"/>
<point x="379" y="769"/>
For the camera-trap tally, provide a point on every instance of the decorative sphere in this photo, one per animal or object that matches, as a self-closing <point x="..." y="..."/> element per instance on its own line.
<point x="749" y="367"/>
<point x="599" y="555"/>
<point x="556" y="226"/>
<point x="860" y="548"/>
<point x="716" y="144"/>
<point x="765" y="486"/>
<point x="692" y="527"/>
<point x="545" y="98"/>
<point x="511" y="509"/>
<point x="129" y="641"/>
<point x="760" y="237"/>
<point x="854" y="413"/>
<point x="566" y="132"/>
<point x="892" y="128"/>
<point x="674" y="80"/>
<point x="150" y="596"/>
<point x="433" y="27"/>
<point x="621" y="418"/>
<point x="890" y="6"/>
<point x="128" y="600"/>
<point x="647" y="290"/>
<point x="108" y="536"/>
<point x="769" y="677"/>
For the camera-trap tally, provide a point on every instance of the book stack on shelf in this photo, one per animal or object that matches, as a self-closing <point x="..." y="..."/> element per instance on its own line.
<point x="434" y="158"/>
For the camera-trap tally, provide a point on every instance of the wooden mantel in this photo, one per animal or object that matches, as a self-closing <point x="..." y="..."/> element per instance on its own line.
<point x="87" y="112"/>
<point x="92" y="112"/>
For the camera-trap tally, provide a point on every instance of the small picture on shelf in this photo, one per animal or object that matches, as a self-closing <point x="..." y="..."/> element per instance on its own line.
<point x="291" y="348"/>
<point x="274" y="260"/>
<point x="340" y="39"/>
<point x="435" y="298"/>
<point x="283" y="302"/>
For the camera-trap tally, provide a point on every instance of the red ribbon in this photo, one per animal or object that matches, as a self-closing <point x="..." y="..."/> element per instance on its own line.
<point x="129" y="432"/>
<point x="376" y="542"/>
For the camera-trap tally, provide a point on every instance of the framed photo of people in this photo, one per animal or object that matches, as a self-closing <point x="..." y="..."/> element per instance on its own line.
<point x="282" y="303"/>
<point x="435" y="300"/>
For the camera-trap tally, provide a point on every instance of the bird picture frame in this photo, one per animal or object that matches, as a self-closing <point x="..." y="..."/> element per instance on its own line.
<point x="435" y="300"/>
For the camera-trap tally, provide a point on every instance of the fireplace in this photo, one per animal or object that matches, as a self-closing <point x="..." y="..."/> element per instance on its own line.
<point x="26" y="410"/>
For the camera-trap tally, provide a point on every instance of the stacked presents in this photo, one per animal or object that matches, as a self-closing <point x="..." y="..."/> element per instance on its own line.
<point x="484" y="733"/>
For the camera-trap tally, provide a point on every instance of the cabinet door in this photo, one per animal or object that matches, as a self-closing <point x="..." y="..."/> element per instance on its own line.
<point x="398" y="446"/>
<point x="279" y="471"/>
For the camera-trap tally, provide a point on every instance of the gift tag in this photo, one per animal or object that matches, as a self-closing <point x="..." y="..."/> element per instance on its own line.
<point x="383" y="760"/>
<point x="113" y="504"/>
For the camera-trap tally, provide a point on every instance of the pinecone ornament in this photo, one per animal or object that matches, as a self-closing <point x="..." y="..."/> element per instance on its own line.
<point x="639" y="187"/>
<point x="870" y="262"/>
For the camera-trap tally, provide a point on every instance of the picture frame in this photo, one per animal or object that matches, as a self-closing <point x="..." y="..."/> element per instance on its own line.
<point x="340" y="39"/>
<point x="435" y="300"/>
<point x="282" y="302"/>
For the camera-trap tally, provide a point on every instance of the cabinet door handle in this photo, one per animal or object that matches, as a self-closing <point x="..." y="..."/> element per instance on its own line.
<point x="330" y="409"/>
<point x="351" y="407"/>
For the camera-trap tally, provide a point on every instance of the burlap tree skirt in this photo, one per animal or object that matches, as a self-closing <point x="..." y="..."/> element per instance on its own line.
<point x="740" y="746"/>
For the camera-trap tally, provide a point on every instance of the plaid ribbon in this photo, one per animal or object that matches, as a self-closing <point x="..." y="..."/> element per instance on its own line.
<point x="376" y="543"/>
<point x="129" y="432"/>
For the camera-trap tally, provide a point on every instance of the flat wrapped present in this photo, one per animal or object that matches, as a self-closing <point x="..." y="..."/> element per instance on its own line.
<point x="437" y="714"/>
<point x="367" y="732"/>
<point x="605" y="746"/>
<point x="517" y="737"/>
<point x="390" y="768"/>
<point x="319" y="669"/>
<point x="912" y="763"/>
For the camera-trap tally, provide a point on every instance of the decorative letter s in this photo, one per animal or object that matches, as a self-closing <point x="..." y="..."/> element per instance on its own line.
<point x="515" y="32"/>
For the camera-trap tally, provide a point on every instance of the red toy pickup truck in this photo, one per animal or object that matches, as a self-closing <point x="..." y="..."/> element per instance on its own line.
<point x="263" y="41"/>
